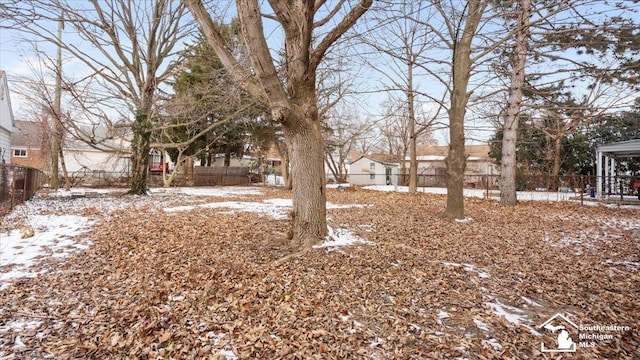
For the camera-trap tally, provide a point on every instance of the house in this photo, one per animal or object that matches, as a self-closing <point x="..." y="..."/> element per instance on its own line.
<point x="480" y="167"/>
<point x="6" y="119"/>
<point x="90" y="161"/>
<point x="374" y="169"/>
<point x="97" y="150"/>
<point x="30" y="145"/>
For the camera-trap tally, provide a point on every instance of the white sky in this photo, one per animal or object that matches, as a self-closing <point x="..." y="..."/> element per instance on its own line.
<point x="17" y="59"/>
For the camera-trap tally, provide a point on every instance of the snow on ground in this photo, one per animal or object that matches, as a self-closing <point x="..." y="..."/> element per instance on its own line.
<point x="470" y="268"/>
<point x="341" y="237"/>
<point x="512" y="314"/>
<point x="482" y="193"/>
<point x="224" y="191"/>
<point x="59" y="235"/>
<point x="53" y="236"/>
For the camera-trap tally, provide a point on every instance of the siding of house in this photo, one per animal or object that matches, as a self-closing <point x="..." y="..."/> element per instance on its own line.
<point x="364" y="173"/>
<point x="95" y="160"/>
<point x="6" y="119"/>
<point x="5" y="145"/>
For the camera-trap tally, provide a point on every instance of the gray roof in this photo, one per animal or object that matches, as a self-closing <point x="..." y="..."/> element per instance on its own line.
<point x="629" y="148"/>
<point x="28" y="134"/>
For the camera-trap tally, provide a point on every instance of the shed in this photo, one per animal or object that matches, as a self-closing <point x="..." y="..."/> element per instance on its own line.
<point x="606" y="157"/>
<point x="375" y="169"/>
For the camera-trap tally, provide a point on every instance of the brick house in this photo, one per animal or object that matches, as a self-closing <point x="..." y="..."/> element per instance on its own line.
<point x="30" y="145"/>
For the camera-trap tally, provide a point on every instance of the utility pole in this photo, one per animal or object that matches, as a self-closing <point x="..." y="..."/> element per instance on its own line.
<point x="56" y="125"/>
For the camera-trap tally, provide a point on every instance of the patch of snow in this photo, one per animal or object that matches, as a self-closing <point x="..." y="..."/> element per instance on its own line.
<point x="376" y="342"/>
<point x="530" y="302"/>
<point x="341" y="237"/>
<point x="443" y="315"/>
<point x="275" y="208"/>
<point x="338" y="186"/>
<point x="493" y="343"/>
<point x="176" y="297"/>
<point x="21" y="325"/>
<point x="632" y="264"/>
<point x="52" y="233"/>
<point x="367" y="227"/>
<point x="495" y="195"/>
<point x="511" y="314"/>
<point x="228" y="354"/>
<point x="470" y="268"/>
<point x="466" y="219"/>
<point x="223" y="191"/>
<point x="18" y="342"/>
<point x="481" y="324"/>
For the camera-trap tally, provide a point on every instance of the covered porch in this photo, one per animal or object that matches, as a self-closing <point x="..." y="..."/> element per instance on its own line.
<point x="609" y="182"/>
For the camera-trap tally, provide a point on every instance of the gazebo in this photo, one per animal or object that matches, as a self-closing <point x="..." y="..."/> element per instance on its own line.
<point x="606" y="157"/>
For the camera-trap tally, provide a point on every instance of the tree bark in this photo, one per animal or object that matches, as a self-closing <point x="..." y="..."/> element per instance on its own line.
<point x="140" y="154"/>
<point x="508" y="189"/>
<point x="461" y="72"/>
<point x="309" y="195"/>
<point x="557" y="163"/>
<point x="413" y="161"/>
<point x="292" y="103"/>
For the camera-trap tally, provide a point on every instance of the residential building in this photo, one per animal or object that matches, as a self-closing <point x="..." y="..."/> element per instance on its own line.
<point x="30" y="145"/>
<point x="374" y="169"/>
<point x="480" y="167"/>
<point x="6" y="119"/>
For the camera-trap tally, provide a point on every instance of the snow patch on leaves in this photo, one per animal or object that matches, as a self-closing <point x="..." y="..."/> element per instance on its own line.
<point x="342" y="237"/>
<point x="470" y="268"/>
<point x="54" y="236"/>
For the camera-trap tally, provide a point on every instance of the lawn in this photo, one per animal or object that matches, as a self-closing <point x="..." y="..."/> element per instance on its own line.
<point x="208" y="273"/>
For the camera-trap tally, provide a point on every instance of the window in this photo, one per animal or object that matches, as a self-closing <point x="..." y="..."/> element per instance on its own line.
<point x="372" y="170"/>
<point x="20" y="152"/>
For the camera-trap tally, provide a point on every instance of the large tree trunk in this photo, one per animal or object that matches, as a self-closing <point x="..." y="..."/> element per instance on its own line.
<point x="140" y="154"/>
<point x="309" y="189"/>
<point x="456" y="161"/>
<point x="510" y="130"/>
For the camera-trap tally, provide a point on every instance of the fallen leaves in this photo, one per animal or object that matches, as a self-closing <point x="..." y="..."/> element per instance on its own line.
<point x="208" y="284"/>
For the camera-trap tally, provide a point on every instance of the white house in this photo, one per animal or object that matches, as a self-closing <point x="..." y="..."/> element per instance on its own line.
<point x="376" y="169"/>
<point x="110" y="155"/>
<point x="479" y="167"/>
<point x="6" y="119"/>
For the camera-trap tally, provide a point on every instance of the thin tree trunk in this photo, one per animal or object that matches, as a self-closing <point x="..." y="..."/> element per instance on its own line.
<point x="413" y="162"/>
<point x="510" y="131"/>
<point x="67" y="179"/>
<point x="557" y="163"/>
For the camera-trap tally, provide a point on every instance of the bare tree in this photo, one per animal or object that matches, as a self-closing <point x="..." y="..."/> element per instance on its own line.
<point x="403" y="47"/>
<point x="126" y="47"/>
<point x="293" y="99"/>
<point x="343" y="130"/>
